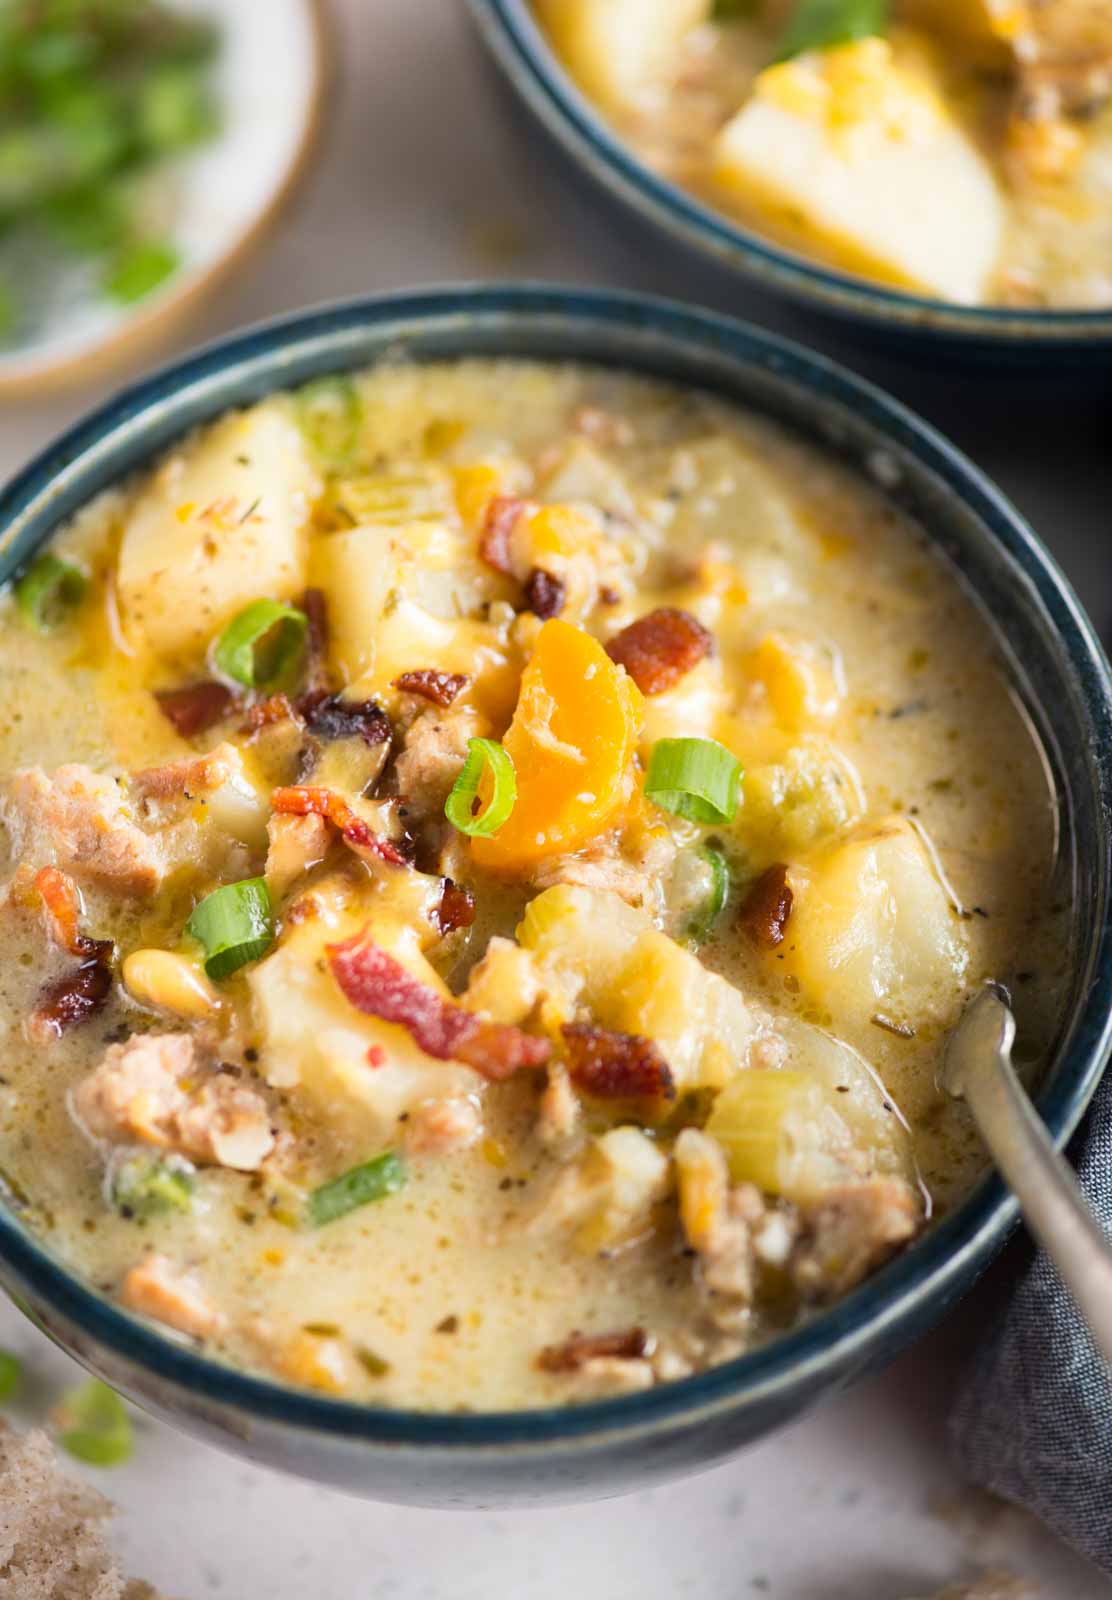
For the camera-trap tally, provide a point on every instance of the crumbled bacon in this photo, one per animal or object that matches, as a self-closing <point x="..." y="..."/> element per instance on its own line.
<point x="428" y="684"/>
<point x="628" y="1344"/>
<point x="768" y="905"/>
<point x="544" y="594"/>
<point x="329" y="717"/>
<point x="76" y="997"/>
<point x="61" y="900"/>
<point x="456" y="908"/>
<point x="197" y="707"/>
<point x="83" y="990"/>
<point x="267" y="713"/>
<point x="378" y="985"/>
<point x="498" y="526"/>
<point x="303" y="801"/>
<point x="658" y="649"/>
<point x="616" y="1066"/>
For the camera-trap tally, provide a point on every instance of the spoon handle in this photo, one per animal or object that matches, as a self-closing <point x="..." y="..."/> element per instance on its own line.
<point x="1046" y="1188"/>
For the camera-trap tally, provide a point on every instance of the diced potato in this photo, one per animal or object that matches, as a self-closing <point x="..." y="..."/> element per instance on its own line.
<point x="221" y="524"/>
<point x="609" y="1195"/>
<point x="582" y="473"/>
<point x="690" y="710"/>
<point x="401" y="599"/>
<point x="852" y="153"/>
<point x="316" y="1043"/>
<point x="873" y="928"/>
<point x="618" y="49"/>
<point x="593" y="950"/>
<point x="801" y="681"/>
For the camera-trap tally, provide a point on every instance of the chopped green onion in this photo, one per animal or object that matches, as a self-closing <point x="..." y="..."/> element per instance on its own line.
<point x="458" y="808"/>
<point x="331" y="417"/>
<point x="175" y="110"/>
<point x="234" y="925"/>
<point x="145" y="1185"/>
<point x="92" y="1424"/>
<point x="714" y="904"/>
<point x="139" y="269"/>
<point x="360" y="1186"/>
<point x="11" y="1376"/>
<point x="262" y="644"/>
<point x="374" y="1365"/>
<point x="48" y="588"/>
<point x="821" y="24"/>
<point x="697" y="779"/>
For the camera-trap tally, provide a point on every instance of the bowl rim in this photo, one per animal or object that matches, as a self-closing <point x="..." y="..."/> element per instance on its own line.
<point x="933" y="1269"/>
<point x="519" y="45"/>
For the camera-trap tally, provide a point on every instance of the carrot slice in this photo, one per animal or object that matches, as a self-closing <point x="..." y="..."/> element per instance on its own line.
<point x="572" y="742"/>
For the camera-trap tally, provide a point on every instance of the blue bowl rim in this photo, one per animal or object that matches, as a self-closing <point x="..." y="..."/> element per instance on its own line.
<point x="519" y="45"/>
<point x="938" y="1263"/>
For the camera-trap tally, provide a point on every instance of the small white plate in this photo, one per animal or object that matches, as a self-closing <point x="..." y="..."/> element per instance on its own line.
<point x="269" y="79"/>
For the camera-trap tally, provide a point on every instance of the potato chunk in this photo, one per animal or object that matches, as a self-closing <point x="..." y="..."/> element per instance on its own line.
<point x="358" y="1074"/>
<point x="592" y="950"/>
<point x="619" y="49"/>
<point x="872" y="927"/>
<point x="851" y="153"/>
<point x="221" y="524"/>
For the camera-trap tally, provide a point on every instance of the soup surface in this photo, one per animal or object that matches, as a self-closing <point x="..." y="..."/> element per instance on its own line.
<point x="962" y="151"/>
<point x="573" y="1070"/>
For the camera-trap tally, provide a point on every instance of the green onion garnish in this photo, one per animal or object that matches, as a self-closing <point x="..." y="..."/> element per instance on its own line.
<point x="331" y="417"/>
<point x="458" y="808"/>
<point x="140" y="269"/>
<point x="234" y="925"/>
<point x="144" y="1185"/>
<point x="48" y="589"/>
<point x="714" y="904"/>
<point x="697" y="779"/>
<point x="374" y="1180"/>
<point x="262" y="645"/>
<point x="92" y="1424"/>
<point x="821" y="24"/>
<point x="11" y="1376"/>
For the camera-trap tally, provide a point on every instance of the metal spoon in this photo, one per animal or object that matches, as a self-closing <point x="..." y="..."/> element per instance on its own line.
<point x="978" y="1069"/>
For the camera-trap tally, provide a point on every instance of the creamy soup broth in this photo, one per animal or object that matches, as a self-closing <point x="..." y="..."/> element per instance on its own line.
<point x="890" y="849"/>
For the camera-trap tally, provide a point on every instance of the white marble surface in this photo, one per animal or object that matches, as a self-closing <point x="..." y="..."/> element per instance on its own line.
<point x="430" y="173"/>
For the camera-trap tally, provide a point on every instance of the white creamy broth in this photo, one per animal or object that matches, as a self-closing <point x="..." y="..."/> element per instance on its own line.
<point x="965" y="154"/>
<point x="643" y="1131"/>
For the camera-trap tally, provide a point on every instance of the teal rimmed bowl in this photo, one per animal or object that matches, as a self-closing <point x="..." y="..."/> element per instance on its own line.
<point x="981" y="333"/>
<point x="462" y="1459"/>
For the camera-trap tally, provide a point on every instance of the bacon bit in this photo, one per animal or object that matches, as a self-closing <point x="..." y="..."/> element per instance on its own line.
<point x="315" y="607"/>
<point x="76" y="997"/>
<point x="381" y="987"/>
<point x="608" y="595"/>
<point x="616" y="1066"/>
<point x="265" y="713"/>
<point x="61" y="900"/>
<point x="439" y="687"/>
<point x="326" y="803"/>
<point x="498" y="526"/>
<point x="631" y="1344"/>
<point x="766" y="908"/>
<point x="544" y="594"/>
<point x="329" y="717"/>
<point x="658" y="649"/>
<point x="197" y="708"/>
<point x="456" y="908"/>
<point x="376" y="1056"/>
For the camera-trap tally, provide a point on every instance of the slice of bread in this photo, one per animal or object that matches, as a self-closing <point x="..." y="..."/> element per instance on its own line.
<point x="52" y="1529"/>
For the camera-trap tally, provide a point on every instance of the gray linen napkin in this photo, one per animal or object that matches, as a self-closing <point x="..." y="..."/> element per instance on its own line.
<point x="1033" y="1420"/>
